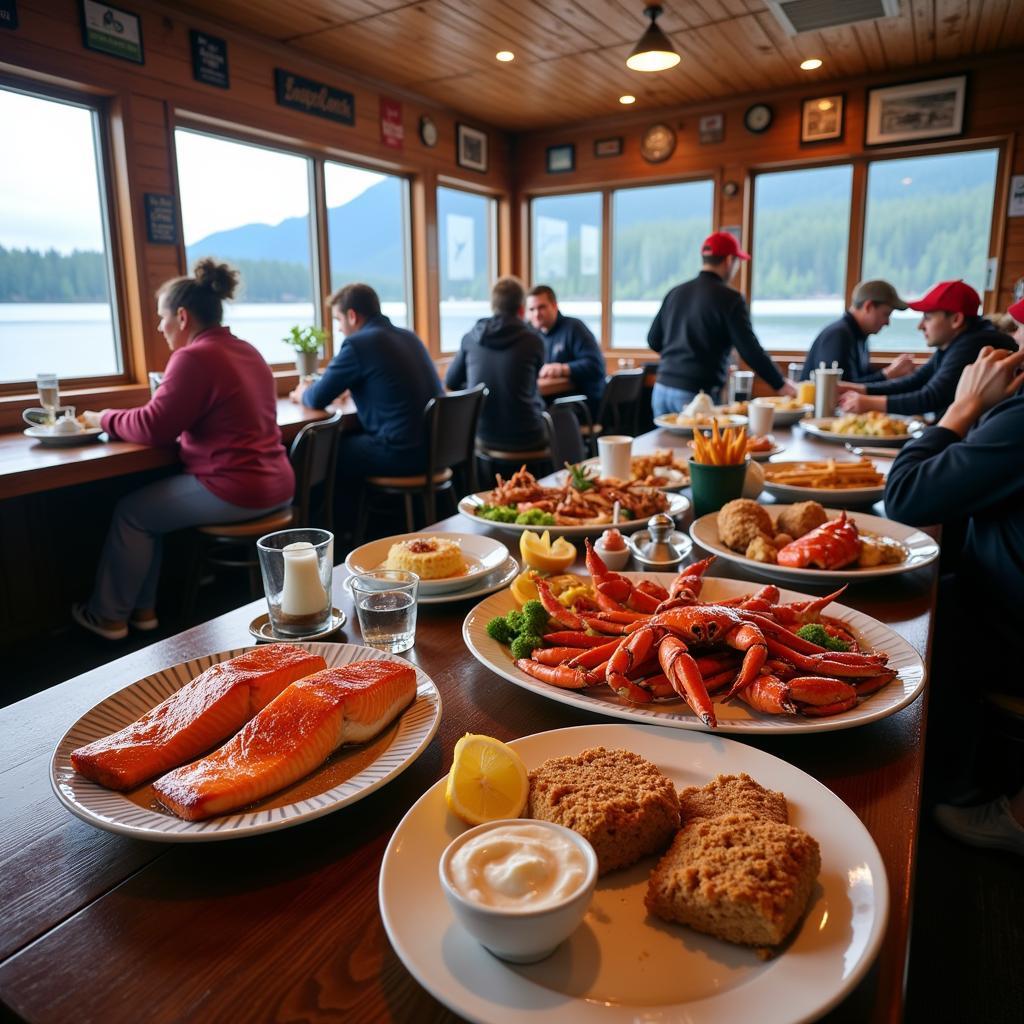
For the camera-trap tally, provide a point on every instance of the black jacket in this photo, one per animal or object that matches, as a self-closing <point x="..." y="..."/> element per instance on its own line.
<point x="570" y="341"/>
<point x="846" y="344"/>
<point x="506" y="355"/>
<point x="932" y="387"/>
<point x="699" y="323"/>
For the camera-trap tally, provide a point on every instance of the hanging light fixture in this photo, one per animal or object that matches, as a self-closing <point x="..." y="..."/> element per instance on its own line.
<point x="655" y="51"/>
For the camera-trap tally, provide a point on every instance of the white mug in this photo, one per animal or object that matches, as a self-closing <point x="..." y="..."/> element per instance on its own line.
<point x="760" y="417"/>
<point x="616" y="453"/>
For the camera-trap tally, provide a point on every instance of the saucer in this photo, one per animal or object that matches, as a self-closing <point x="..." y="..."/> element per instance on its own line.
<point x="494" y="580"/>
<point x="260" y="629"/>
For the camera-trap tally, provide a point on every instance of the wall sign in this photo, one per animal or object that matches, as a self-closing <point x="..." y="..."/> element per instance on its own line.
<point x="8" y="14"/>
<point x="209" y="59"/>
<point x="1016" y="206"/>
<point x="314" y="97"/>
<point x="112" y="31"/>
<point x="161" y="221"/>
<point x="392" y="131"/>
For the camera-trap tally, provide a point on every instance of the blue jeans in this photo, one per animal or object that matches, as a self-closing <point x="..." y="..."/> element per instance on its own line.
<point x="667" y="401"/>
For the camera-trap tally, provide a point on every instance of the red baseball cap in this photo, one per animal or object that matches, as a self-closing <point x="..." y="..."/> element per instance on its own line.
<point x="949" y="297"/>
<point x="721" y="243"/>
<point x="1017" y="311"/>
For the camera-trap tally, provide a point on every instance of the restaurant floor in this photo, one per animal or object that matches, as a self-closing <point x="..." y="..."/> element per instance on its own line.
<point x="967" y="943"/>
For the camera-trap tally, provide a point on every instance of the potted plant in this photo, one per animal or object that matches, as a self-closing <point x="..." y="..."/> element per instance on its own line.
<point x="307" y="342"/>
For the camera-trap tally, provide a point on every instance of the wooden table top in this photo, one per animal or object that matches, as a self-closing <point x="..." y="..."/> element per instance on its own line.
<point x="100" y="927"/>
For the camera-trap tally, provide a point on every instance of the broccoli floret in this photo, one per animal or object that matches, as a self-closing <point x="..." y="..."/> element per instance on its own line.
<point x="535" y="618"/>
<point x="499" y="629"/>
<point x="524" y="644"/>
<point x="535" y="517"/>
<point x="498" y="513"/>
<point x="818" y="634"/>
<point x="514" y="620"/>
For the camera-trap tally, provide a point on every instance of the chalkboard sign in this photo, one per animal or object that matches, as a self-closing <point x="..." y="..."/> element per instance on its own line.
<point x="161" y="223"/>
<point x="314" y="97"/>
<point x="209" y="59"/>
<point x="8" y="14"/>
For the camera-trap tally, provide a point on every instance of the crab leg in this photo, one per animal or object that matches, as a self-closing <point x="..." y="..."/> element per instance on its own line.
<point x="631" y="652"/>
<point x="684" y="675"/>
<point x="874" y="683"/>
<point x="830" y="663"/>
<point x="557" y="655"/>
<point x="558" y="675"/>
<point x="769" y="695"/>
<point x="749" y="639"/>
<point x="820" y="691"/>
<point x="823" y="710"/>
<point x="610" y="628"/>
<point x="593" y="656"/>
<point x="560" y="615"/>
<point x="571" y="638"/>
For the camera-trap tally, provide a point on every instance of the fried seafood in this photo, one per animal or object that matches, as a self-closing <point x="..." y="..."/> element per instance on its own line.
<point x="801" y="518"/>
<point x="741" y="521"/>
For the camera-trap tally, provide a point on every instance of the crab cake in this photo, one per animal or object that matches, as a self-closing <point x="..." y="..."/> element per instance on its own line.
<point x="762" y="549"/>
<point x="740" y="521"/>
<point x="801" y="518"/>
<point x="617" y="800"/>
<point x="732" y="794"/>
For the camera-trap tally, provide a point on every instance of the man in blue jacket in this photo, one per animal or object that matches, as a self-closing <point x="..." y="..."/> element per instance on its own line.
<point x="951" y="325"/>
<point x="391" y="377"/>
<point x="570" y="350"/>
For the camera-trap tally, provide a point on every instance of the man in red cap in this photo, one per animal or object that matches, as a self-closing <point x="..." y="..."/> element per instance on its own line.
<point x="951" y="325"/>
<point x="698" y="324"/>
<point x="1016" y="314"/>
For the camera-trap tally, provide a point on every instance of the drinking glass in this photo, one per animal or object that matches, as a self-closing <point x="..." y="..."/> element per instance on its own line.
<point x="49" y="395"/>
<point x="386" y="607"/>
<point x="297" y="567"/>
<point x="793" y="372"/>
<point x="741" y="386"/>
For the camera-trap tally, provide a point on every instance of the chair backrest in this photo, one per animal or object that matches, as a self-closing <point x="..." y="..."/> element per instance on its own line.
<point x="450" y="421"/>
<point x="567" y="438"/>
<point x="314" y="457"/>
<point x="621" y="400"/>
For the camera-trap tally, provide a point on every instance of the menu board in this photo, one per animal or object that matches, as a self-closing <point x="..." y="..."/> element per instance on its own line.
<point x="314" y="97"/>
<point x="161" y="222"/>
<point x="209" y="59"/>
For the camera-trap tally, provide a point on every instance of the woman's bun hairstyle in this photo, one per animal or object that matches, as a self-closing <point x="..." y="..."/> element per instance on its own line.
<point x="221" y="279"/>
<point x="204" y="293"/>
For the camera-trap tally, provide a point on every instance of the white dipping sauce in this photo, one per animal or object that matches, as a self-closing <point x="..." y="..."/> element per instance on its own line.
<point x="518" y="867"/>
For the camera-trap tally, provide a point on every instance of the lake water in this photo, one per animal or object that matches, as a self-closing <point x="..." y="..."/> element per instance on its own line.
<point x="77" y="339"/>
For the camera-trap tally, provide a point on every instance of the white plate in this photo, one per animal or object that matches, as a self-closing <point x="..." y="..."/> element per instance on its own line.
<point x="766" y="455"/>
<point x="670" y="478"/>
<point x="621" y="966"/>
<point x="784" y="417"/>
<point x="483" y="555"/>
<point x="114" y="812"/>
<point x="496" y="580"/>
<point x="677" y="505"/>
<point x="47" y="437"/>
<point x="923" y="550"/>
<point x="724" y="420"/>
<point x="847" y="497"/>
<point x="734" y="717"/>
<point x="261" y="630"/>
<point x="819" y="428"/>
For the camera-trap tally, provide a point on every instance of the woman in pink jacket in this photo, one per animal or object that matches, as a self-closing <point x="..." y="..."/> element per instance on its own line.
<point x="218" y="403"/>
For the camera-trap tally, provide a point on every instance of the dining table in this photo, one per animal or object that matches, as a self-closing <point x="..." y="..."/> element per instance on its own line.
<point x="285" y="926"/>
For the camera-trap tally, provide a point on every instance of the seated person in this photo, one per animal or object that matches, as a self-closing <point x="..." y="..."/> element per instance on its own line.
<point x="502" y="352"/>
<point x="951" y="325"/>
<point x="217" y="400"/>
<point x="570" y="350"/>
<point x="391" y="377"/>
<point x="846" y="341"/>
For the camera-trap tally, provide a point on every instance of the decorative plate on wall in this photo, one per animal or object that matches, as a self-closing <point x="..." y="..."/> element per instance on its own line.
<point x="657" y="143"/>
<point x="428" y="131"/>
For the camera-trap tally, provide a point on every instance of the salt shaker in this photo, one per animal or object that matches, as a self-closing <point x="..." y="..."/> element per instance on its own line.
<point x="661" y="545"/>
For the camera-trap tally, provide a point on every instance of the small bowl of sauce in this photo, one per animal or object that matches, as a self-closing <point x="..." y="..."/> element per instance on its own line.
<point x="612" y="550"/>
<point x="519" y="886"/>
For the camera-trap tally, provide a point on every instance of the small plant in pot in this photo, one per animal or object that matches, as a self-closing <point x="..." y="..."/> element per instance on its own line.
<point x="308" y="343"/>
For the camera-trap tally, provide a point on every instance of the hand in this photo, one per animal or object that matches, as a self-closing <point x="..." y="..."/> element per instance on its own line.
<point x="553" y="370"/>
<point x="992" y="377"/>
<point x="857" y="401"/>
<point x="858" y="388"/>
<point x="90" y="419"/>
<point x="298" y="392"/>
<point x="899" y="367"/>
<point x="788" y="389"/>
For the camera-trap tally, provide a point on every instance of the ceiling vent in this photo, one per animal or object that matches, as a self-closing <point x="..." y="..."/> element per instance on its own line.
<point x="798" y="16"/>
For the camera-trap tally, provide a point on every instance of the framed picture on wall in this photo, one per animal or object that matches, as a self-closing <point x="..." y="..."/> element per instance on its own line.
<point x="471" y="148"/>
<point x="608" y="147"/>
<point x="916" y="111"/>
<point x="561" y="159"/>
<point x="711" y="128"/>
<point x="111" y="30"/>
<point x="821" y="119"/>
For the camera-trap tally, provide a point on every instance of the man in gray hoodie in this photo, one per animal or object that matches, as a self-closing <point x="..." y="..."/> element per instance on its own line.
<point x="504" y="353"/>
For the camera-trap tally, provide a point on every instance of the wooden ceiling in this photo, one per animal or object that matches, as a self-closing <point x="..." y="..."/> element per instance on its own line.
<point x="570" y="54"/>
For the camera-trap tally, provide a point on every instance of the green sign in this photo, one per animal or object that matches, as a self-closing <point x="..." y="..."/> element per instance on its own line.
<point x="112" y="30"/>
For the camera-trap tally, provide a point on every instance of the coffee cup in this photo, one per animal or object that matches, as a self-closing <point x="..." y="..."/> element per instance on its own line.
<point x="616" y="456"/>
<point x="760" y="417"/>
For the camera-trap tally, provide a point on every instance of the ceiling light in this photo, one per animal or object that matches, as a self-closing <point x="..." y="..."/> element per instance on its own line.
<point x="627" y="99"/>
<point x="811" y="64"/>
<point x="654" y="52"/>
<point x="505" y="56"/>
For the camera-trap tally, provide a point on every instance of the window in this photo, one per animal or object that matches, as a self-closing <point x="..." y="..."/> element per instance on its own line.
<point x="656" y="237"/>
<point x="367" y="234"/>
<point x="927" y="220"/>
<point x="566" y="253"/>
<point x="249" y="206"/>
<point x="801" y="234"/>
<point x="57" y="308"/>
<point x="466" y="262"/>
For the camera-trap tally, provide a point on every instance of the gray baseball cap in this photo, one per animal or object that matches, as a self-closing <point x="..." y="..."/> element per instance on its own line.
<point x="877" y="291"/>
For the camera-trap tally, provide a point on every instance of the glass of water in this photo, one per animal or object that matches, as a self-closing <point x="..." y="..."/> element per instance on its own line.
<point x="386" y="608"/>
<point x="49" y="395"/>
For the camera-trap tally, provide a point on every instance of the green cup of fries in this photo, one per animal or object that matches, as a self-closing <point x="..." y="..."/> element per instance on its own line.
<point x="718" y="468"/>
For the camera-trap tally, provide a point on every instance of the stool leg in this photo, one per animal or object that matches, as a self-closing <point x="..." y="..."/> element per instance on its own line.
<point x="193" y="579"/>
<point x="410" y="519"/>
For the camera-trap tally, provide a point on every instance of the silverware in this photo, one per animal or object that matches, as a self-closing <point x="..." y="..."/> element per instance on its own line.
<point x="878" y="453"/>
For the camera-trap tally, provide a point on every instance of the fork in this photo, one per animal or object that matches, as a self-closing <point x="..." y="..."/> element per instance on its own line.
<point x="878" y="453"/>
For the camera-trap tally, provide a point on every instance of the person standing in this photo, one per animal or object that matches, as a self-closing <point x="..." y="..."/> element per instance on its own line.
<point x="570" y="350"/>
<point x="699" y="323"/>
<point x="845" y="342"/>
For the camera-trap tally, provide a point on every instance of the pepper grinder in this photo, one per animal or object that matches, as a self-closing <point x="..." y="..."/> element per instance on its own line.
<point x="660" y="544"/>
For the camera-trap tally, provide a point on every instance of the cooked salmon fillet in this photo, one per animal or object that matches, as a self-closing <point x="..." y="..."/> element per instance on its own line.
<point x="290" y="737"/>
<point x="203" y="713"/>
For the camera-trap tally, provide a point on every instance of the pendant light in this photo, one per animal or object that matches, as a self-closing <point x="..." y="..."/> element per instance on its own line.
<point x="655" y="51"/>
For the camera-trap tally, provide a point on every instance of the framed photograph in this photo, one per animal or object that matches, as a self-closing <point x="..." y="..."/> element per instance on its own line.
<point x="112" y="31"/>
<point x="561" y="158"/>
<point x="471" y="148"/>
<point x="711" y="128"/>
<point x="916" y="111"/>
<point x="821" y="119"/>
<point x="608" y="147"/>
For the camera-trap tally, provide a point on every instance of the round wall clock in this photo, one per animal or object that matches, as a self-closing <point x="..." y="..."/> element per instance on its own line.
<point x="428" y="131"/>
<point x="657" y="143"/>
<point x="758" y="118"/>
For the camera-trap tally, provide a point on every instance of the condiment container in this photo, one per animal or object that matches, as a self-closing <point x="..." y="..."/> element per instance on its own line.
<point x="533" y="928"/>
<point x="615" y="558"/>
<point x="660" y="546"/>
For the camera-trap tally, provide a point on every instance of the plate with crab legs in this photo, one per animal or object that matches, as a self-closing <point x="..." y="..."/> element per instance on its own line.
<point x="692" y="651"/>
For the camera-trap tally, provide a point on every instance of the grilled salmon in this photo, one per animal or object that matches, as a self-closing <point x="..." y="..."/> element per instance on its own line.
<point x="203" y="713"/>
<point x="290" y="737"/>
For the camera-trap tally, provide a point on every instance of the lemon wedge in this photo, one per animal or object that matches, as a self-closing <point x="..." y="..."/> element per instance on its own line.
<point x="540" y="553"/>
<point x="487" y="781"/>
<point x="523" y="587"/>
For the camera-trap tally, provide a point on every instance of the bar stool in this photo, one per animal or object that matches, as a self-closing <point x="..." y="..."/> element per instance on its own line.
<point x="539" y="461"/>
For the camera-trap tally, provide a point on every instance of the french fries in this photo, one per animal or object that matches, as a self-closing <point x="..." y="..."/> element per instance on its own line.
<point x="827" y="475"/>
<point x="723" y="448"/>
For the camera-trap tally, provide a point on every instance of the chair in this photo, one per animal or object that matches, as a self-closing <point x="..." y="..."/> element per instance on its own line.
<point x="539" y="461"/>
<point x="566" y="432"/>
<point x="619" y="408"/>
<point x="449" y="423"/>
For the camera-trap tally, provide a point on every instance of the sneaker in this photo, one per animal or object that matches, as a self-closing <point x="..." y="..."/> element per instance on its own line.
<point x="85" y="618"/>
<point x="989" y="825"/>
<point x="144" y="625"/>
